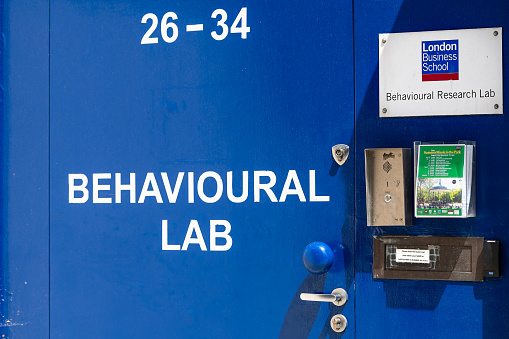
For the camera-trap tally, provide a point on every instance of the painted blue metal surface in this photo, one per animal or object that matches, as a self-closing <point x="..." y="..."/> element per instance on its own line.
<point x="25" y="210"/>
<point x="82" y="95"/>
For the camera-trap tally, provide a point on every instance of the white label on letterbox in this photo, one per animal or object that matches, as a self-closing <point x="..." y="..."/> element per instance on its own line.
<point x="412" y="256"/>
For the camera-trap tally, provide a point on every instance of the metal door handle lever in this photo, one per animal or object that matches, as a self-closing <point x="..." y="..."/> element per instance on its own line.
<point x="338" y="297"/>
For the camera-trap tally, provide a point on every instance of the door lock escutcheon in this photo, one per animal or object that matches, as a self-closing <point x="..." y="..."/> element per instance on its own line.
<point x="340" y="153"/>
<point x="338" y="323"/>
<point x="338" y="297"/>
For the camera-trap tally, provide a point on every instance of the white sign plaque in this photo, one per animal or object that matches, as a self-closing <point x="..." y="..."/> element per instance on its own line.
<point x="412" y="256"/>
<point x="456" y="72"/>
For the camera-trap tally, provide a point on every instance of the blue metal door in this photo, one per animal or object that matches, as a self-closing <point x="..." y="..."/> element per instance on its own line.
<point x="165" y="164"/>
<point x="190" y="165"/>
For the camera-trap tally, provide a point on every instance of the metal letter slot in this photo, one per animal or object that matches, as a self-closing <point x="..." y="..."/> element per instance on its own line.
<point x="435" y="258"/>
<point x="338" y="297"/>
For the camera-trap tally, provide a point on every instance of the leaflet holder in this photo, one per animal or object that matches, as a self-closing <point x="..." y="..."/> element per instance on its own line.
<point x="445" y="179"/>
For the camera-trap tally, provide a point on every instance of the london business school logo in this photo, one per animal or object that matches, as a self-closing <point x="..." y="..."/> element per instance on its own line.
<point x="440" y="60"/>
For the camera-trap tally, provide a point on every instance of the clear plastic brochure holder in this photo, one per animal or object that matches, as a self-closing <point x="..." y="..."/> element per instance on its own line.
<point x="444" y="179"/>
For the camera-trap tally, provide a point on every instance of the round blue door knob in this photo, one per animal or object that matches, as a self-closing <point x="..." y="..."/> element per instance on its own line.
<point x="318" y="257"/>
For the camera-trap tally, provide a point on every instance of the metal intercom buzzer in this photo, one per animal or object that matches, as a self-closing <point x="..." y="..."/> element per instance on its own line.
<point x="388" y="186"/>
